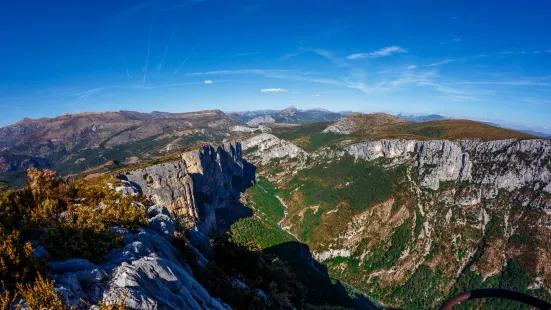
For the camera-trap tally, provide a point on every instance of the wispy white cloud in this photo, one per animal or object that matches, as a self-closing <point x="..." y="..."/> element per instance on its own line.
<point x="443" y="62"/>
<point x="208" y="82"/>
<point x="387" y="51"/>
<point x="329" y="55"/>
<point x="536" y="101"/>
<point x="160" y="66"/>
<point x="243" y="54"/>
<point x="511" y="83"/>
<point x="148" y="50"/>
<point x="315" y="95"/>
<point x="297" y="92"/>
<point x="236" y="72"/>
<point x="273" y="90"/>
<point x="412" y="67"/>
<point x="183" y="63"/>
<point x="464" y="98"/>
<point x="89" y="92"/>
<point x="456" y="39"/>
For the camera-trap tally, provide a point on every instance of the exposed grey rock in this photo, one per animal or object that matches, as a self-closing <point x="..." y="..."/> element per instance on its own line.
<point x="149" y="269"/>
<point x="212" y="169"/>
<point x="157" y="283"/>
<point x="89" y="277"/>
<point x="127" y="189"/>
<point x="155" y="210"/>
<point x="69" y="287"/>
<point x="163" y="223"/>
<point x="265" y="147"/>
<point x="502" y="164"/>
<point x="167" y="184"/>
<point x="261" y="120"/>
<point x="70" y="265"/>
<point x="343" y="127"/>
<point x="201" y="242"/>
<point x="207" y="171"/>
<point x="241" y="128"/>
<point x="265" y="129"/>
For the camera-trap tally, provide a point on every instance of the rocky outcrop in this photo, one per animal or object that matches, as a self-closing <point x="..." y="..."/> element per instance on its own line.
<point x="502" y="164"/>
<point x="255" y="122"/>
<point x="265" y="147"/>
<point x="194" y="187"/>
<point x="245" y="129"/>
<point x="367" y="123"/>
<point x="213" y="170"/>
<point x="168" y="184"/>
<point x="149" y="270"/>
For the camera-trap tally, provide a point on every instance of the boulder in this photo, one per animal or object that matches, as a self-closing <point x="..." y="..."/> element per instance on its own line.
<point x="201" y="242"/>
<point x="70" y="265"/>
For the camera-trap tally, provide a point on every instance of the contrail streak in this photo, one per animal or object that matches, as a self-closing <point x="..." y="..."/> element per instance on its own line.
<point x="148" y="50"/>
<point x="184" y="62"/>
<point x="166" y="50"/>
<point x="126" y="66"/>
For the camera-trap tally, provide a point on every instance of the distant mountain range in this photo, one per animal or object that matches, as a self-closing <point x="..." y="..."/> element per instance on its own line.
<point x="422" y="118"/>
<point x="73" y="143"/>
<point x="289" y="115"/>
<point x="437" y="117"/>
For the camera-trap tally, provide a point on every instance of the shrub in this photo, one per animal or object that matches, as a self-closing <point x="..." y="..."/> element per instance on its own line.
<point x="44" y="213"/>
<point x="41" y="295"/>
<point x="67" y="240"/>
<point x="43" y="183"/>
<point x="6" y="300"/>
<point x="125" y="214"/>
<point x="17" y="263"/>
<point x="119" y="305"/>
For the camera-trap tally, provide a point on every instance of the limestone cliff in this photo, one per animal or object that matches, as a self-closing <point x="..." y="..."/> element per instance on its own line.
<point x="195" y="186"/>
<point x="168" y="184"/>
<point x="213" y="170"/>
<point x="502" y="164"/>
<point x="265" y="147"/>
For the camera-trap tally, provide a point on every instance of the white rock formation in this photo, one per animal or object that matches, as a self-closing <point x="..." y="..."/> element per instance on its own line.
<point x="255" y="122"/>
<point x="501" y="164"/>
<point x="266" y="147"/>
<point x="149" y="269"/>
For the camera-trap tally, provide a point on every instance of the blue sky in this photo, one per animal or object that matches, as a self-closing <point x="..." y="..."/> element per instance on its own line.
<point x="470" y="59"/>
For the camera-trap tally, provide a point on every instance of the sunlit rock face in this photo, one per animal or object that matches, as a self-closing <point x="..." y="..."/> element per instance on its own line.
<point x="196" y="185"/>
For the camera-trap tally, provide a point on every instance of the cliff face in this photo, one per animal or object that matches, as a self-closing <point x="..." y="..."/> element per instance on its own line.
<point x="502" y="164"/>
<point x="265" y="147"/>
<point x="149" y="270"/>
<point x="168" y="184"/>
<point x="383" y="214"/>
<point x="213" y="170"/>
<point x="194" y="187"/>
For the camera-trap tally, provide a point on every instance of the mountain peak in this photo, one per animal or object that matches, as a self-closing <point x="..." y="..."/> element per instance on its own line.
<point x="359" y="122"/>
<point x="289" y="111"/>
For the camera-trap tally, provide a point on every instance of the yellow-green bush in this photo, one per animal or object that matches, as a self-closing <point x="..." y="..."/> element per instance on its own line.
<point x="65" y="218"/>
<point x="67" y="240"/>
<point x="6" y="300"/>
<point x="41" y="295"/>
<point x="17" y="263"/>
<point x="119" y="305"/>
<point x="43" y="183"/>
<point x="124" y="214"/>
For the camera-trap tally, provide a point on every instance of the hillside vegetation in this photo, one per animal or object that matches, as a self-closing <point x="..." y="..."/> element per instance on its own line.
<point x="376" y="126"/>
<point x="65" y="220"/>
